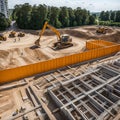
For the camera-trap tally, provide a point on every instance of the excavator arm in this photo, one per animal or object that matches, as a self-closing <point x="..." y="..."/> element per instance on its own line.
<point x="43" y="29"/>
<point x="54" y="30"/>
<point x="37" y="42"/>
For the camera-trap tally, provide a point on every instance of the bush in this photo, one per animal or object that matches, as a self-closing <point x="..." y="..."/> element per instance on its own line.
<point x="4" y="22"/>
<point x="115" y="24"/>
<point x="109" y="23"/>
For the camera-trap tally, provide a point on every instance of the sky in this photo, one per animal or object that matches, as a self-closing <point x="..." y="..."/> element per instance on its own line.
<point x="92" y="5"/>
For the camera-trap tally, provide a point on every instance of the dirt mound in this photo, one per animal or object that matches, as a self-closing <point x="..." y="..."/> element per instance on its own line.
<point x="90" y="28"/>
<point x="76" y="33"/>
<point x="48" y="32"/>
<point x="6" y="103"/>
<point x="71" y="32"/>
<point x="109" y="30"/>
<point x="20" y="56"/>
<point x="110" y="37"/>
<point x="35" y="54"/>
<point x="113" y="37"/>
<point x="33" y="32"/>
<point x="4" y="54"/>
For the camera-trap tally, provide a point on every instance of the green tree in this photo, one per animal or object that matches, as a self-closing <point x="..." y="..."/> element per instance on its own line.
<point x="102" y="14"/>
<point x="91" y="20"/>
<point x="35" y="23"/>
<point x="33" y="17"/>
<point x="23" y="16"/>
<point x="48" y="13"/>
<point x="85" y="17"/>
<point x="95" y="15"/>
<point x="74" y="23"/>
<point x="78" y="16"/>
<point x="107" y="16"/>
<point x="71" y="17"/>
<point x="113" y="15"/>
<point x="15" y="11"/>
<point x="38" y="16"/>
<point x="64" y="17"/>
<point x="54" y="17"/>
<point x="4" y="22"/>
<point x="117" y="19"/>
<point x="82" y="16"/>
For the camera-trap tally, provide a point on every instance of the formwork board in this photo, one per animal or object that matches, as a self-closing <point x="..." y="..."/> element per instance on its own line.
<point x="98" y="44"/>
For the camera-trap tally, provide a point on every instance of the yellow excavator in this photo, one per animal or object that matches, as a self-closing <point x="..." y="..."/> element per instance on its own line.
<point x="21" y="34"/>
<point x="12" y="34"/>
<point x="64" y="41"/>
<point x="101" y="30"/>
<point x="2" y="37"/>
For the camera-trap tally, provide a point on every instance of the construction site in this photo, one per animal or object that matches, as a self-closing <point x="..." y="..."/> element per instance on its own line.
<point x="16" y="52"/>
<point x="60" y="74"/>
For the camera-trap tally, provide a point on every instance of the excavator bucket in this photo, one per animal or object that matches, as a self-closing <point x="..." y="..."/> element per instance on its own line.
<point x="37" y="42"/>
<point x="37" y="45"/>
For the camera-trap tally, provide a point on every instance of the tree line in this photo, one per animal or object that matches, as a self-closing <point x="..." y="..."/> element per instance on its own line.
<point x="110" y="16"/>
<point x="4" y="22"/>
<point x="33" y="17"/>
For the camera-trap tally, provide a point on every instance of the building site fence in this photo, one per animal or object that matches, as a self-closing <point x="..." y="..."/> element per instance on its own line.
<point x="98" y="44"/>
<point x="13" y="74"/>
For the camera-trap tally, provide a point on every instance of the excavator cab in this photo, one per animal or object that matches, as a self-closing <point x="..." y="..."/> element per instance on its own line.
<point x="101" y="30"/>
<point x="65" y="38"/>
<point x="65" y="41"/>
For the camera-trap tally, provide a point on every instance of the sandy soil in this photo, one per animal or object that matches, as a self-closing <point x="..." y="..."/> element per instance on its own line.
<point x="6" y="103"/>
<point x="13" y="54"/>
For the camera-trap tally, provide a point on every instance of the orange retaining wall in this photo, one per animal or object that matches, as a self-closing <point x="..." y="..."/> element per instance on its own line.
<point x="98" y="44"/>
<point x="13" y="74"/>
